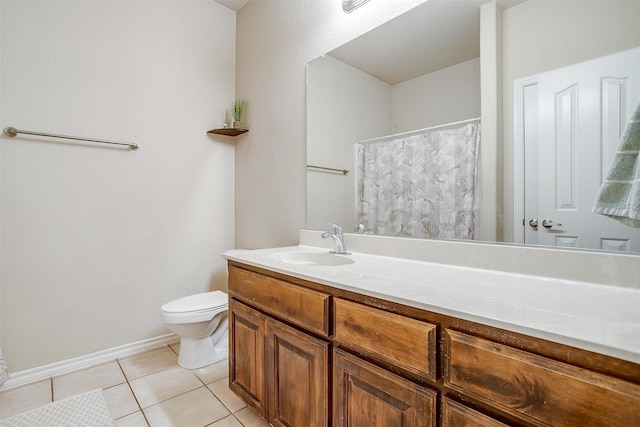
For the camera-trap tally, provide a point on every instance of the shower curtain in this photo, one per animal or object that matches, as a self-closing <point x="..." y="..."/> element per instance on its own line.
<point x="423" y="186"/>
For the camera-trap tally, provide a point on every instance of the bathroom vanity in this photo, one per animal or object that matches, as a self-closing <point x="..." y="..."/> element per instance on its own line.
<point x="318" y="342"/>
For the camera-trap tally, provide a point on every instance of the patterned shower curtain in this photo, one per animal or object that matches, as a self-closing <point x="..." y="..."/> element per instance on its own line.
<point x="422" y="186"/>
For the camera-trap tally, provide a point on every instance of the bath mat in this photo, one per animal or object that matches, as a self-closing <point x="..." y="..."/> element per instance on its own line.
<point x="84" y="410"/>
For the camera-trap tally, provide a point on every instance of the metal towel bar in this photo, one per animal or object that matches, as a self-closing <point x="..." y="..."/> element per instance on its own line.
<point x="10" y="131"/>
<point x="342" y="171"/>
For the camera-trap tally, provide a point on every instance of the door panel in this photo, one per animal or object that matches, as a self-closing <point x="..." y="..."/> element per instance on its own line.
<point x="247" y="328"/>
<point x="581" y="113"/>
<point x="299" y="389"/>
<point x="368" y="396"/>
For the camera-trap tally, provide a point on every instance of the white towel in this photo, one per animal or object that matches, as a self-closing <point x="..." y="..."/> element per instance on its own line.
<point x="4" y="370"/>
<point x="619" y="196"/>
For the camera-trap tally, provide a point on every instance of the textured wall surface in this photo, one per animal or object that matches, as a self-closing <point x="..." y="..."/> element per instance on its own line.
<point x="275" y="41"/>
<point x="95" y="239"/>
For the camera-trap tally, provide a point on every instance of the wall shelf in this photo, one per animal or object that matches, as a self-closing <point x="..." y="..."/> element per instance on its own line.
<point x="228" y="132"/>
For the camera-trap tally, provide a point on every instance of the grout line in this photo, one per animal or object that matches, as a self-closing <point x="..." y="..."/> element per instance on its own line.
<point x="142" y="410"/>
<point x="181" y="394"/>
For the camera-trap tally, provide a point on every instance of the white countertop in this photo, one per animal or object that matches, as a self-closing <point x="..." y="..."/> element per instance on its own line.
<point x="599" y="318"/>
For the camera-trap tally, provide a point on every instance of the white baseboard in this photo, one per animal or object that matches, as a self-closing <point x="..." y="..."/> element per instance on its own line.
<point x="17" y="379"/>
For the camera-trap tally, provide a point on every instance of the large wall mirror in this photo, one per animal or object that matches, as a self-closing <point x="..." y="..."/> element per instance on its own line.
<point x="554" y="83"/>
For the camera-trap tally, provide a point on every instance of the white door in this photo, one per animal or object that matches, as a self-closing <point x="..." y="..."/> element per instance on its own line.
<point x="582" y="111"/>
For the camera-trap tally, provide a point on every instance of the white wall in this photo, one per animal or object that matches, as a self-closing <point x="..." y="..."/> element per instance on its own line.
<point x="344" y="105"/>
<point x="544" y="35"/>
<point x="95" y="239"/>
<point x="444" y="96"/>
<point x="275" y="40"/>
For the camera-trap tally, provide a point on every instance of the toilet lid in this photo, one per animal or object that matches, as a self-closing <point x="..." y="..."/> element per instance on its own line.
<point x="197" y="302"/>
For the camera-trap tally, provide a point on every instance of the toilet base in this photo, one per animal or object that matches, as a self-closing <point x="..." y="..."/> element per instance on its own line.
<point x="197" y="353"/>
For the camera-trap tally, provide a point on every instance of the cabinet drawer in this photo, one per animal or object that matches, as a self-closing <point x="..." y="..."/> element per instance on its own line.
<point x="539" y="390"/>
<point x="399" y="340"/>
<point x="455" y="414"/>
<point x="293" y="303"/>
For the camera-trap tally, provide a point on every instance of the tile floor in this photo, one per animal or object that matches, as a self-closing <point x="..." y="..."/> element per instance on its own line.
<point x="148" y="389"/>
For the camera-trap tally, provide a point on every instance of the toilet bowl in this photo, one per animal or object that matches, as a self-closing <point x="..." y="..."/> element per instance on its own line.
<point x="202" y="324"/>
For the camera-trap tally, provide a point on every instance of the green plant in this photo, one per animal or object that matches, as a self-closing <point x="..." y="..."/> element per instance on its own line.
<point x="237" y="109"/>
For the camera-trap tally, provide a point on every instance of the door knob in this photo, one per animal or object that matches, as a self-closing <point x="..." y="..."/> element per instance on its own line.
<point x="533" y="222"/>
<point x="547" y="223"/>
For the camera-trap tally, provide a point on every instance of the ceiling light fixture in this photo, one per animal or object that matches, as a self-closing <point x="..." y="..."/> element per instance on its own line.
<point x="350" y="5"/>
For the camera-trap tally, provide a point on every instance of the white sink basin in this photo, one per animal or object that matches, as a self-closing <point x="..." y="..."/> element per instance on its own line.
<point x="312" y="258"/>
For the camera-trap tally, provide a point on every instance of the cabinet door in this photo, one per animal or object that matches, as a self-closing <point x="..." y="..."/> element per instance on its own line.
<point x="247" y="376"/>
<point x="455" y="414"/>
<point x="365" y="395"/>
<point x="299" y="383"/>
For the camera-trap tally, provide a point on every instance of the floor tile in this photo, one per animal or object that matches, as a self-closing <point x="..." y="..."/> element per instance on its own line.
<point x="25" y="398"/>
<point x="228" y="398"/>
<point x="214" y="372"/>
<point x="196" y="408"/>
<point x="120" y="400"/>
<point x="229" y="421"/>
<point x="163" y="385"/>
<point x="249" y="418"/>
<point x="101" y="376"/>
<point x="134" y="420"/>
<point x="148" y="363"/>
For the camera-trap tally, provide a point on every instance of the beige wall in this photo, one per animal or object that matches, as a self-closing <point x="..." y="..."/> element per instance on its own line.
<point x="444" y="96"/>
<point x="275" y="40"/>
<point x="94" y="240"/>
<point x="544" y="35"/>
<point x="344" y="105"/>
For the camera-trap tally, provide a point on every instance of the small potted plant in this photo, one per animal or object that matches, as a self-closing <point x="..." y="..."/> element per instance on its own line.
<point x="237" y="111"/>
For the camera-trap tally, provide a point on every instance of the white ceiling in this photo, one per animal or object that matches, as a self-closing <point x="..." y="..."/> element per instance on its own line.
<point x="233" y="4"/>
<point x="432" y="36"/>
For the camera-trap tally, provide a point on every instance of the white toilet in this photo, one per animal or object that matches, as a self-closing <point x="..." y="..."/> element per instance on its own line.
<point x="202" y="324"/>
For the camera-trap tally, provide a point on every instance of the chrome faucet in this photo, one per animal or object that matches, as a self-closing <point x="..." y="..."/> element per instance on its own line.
<point x="338" y="238"/>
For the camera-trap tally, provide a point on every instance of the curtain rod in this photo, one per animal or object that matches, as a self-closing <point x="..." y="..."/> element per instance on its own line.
<point x="10" y="131"/>
<point x="475" y="119"/>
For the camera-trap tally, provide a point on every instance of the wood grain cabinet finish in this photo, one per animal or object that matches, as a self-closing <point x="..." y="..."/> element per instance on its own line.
<point x="298" y="348"/>
<point x="299" y="377"/>
<point x="402" y="341"/>
<point x="247" y="331"/>
<point x="304" y="307"/>
<point x="455" y="414"/>
<point x="538" y="390"/>
<point x="365" y="395"/>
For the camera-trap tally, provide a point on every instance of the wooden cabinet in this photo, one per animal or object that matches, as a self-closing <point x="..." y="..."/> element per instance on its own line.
<point x="304" y="307"/>
<point x="455" y="414"/>
<point x="298" y="366"/>
<point x="536" y="389"/>
<point x="280" y="371"/>
<point x="404" y="342"/>
<point x="365" y="395"/>
<point x="247" y="331"/>
<point x="305" y="354"/>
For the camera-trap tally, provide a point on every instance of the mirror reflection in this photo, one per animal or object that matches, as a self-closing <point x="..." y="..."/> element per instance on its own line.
<point x="398" y="105"/>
